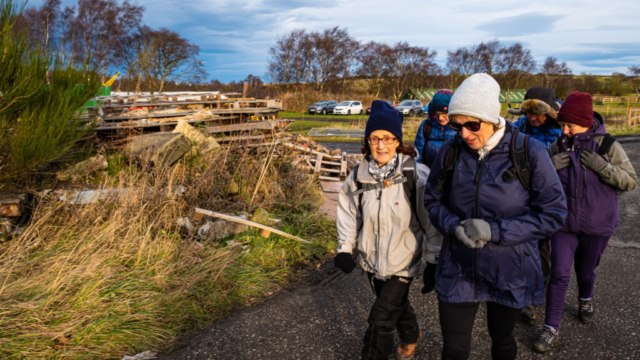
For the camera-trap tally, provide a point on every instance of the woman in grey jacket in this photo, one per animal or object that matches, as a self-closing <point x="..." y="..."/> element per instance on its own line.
<point x="377" y="207"/>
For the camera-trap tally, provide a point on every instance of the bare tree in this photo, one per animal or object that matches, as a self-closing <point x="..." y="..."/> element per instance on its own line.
<point x="328" y="56"/>
<point x="348" y="49"/>
<point x="166" y="56"/>
<point x="284" y="58"/>
<point x="404" y="61"/>
<point x="487" y="55"/>
<point x="373" y="58"/>
<point x="43" y="24"/>
<point x="634" y="72"/>
<point x="554" y="74"/>
<point x="515" y="62"/>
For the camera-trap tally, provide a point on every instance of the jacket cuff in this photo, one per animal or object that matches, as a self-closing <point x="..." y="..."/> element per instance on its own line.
<point x="345" y="248"/>
<point x="452" y="227"/>
<point x="495" y="232"/>
<point x="606" y="171"/>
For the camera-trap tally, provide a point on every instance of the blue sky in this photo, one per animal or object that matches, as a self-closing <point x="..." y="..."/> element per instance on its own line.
<point x="597" y="37"/>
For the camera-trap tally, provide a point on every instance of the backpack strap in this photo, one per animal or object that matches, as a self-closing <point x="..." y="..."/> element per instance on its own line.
<point x="446" y="174"/>
<point x="359" y="198"/>
<point x="411" y="174"/>
<point x="426" y="132"/>
<point x="607" y="143"/>
<point x="519" y="154"/>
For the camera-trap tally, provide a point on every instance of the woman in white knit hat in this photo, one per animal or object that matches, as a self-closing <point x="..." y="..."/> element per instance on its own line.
<point x="492" y="194"/>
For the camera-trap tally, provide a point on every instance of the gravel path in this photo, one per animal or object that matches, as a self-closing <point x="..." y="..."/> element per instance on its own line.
<point x="325" y="317"/>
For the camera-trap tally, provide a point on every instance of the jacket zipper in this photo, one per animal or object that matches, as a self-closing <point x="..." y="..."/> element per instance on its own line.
<point x="378" y="237"/>
<point x="475" y="251"/>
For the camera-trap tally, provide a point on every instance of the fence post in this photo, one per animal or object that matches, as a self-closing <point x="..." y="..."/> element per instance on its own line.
<point x="629" y="119"/>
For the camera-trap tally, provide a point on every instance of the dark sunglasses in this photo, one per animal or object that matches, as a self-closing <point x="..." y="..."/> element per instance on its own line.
<point x="472" y="126"/>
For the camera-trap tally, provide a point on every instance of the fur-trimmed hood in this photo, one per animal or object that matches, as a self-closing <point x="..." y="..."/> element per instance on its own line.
<point x="536" y="107"/>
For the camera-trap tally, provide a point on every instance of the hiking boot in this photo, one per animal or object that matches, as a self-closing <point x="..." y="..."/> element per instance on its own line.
<point x="585" y="311"/>
<point x="407" y="351"/>
<point x="545" y="338"/>
<point x="528" y="313"/>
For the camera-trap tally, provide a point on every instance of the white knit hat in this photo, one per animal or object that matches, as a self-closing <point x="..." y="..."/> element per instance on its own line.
<point x="479" y="97"/>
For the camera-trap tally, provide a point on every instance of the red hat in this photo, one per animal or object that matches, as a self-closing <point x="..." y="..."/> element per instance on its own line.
<point x="577" y="109"/>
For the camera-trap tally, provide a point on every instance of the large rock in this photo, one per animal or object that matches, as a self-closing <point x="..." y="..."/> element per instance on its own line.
<point x="220" y="229"/>
<point x="204" y="143"/>
<point x="161" y="149"/>
<point x="261" y="216"/>
<point x="83" y="169"/>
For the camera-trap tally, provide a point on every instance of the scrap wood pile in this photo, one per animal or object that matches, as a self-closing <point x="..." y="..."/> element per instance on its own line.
<point x="310" y="157"/>
<point x="122" y="116"/>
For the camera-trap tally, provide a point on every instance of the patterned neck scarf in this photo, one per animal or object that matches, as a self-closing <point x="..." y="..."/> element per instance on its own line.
<point x="381" y="173"/>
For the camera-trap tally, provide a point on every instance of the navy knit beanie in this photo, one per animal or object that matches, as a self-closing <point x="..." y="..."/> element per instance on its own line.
<point x="440" y="102"/>
<point x="384" y="117"/>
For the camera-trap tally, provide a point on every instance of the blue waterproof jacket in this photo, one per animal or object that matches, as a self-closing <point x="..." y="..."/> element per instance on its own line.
<point x="507" y="270"/>
<point x="439" y="134"/>
<point x="546" y="133"/>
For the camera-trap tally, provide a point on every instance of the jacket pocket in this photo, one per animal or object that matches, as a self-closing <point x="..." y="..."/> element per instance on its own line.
<point x="503" y="267"/>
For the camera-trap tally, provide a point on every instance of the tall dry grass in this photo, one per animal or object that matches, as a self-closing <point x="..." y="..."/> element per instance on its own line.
<point x="117" y="277"/>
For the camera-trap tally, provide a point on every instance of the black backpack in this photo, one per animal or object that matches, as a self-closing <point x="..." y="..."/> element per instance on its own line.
<point x="518" y="153"/>
<point x="408" y="181"/>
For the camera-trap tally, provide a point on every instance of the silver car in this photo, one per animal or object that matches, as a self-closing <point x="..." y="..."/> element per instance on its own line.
<point x="410" y="107"/>
<point x="323" y="107"/>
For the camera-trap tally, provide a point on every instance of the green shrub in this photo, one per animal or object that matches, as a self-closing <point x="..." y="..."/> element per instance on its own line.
<point x="38" y="102"/>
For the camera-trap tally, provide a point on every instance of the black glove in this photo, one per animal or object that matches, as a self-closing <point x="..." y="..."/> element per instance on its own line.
<point x="344" y="262"/>
<point x="429" y="278"/>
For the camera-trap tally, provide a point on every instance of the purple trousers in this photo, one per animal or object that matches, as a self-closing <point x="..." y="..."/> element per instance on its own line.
<point x="584" y="251"/>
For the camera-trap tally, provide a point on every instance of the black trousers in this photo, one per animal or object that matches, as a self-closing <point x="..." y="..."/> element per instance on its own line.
<point x="390" y="312"/>
<point x="456" y="322"/>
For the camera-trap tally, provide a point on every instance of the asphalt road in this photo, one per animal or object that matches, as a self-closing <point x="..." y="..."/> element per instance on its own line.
<point x="325" y="317"/>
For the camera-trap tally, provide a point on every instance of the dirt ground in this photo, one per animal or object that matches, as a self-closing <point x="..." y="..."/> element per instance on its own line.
<point x="325" y="316"/>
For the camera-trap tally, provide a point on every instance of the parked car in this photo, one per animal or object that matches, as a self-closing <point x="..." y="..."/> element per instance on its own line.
<point x="410" y="107"/>
<point x="323" y="107"/>
<point x="348" y="108"/>
<point x="368" y="111"/>
<point x="425" y="109"/>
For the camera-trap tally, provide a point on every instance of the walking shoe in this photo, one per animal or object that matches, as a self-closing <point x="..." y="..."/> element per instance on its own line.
<point x="585" y="311"/>
<point x="407" y="351"/>
<point x="545" y="338"/>
<point x="528" y="313"/>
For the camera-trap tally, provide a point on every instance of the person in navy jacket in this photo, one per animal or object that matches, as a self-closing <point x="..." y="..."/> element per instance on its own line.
<point x="436" y="128"/>
<point x="490" y="226"/>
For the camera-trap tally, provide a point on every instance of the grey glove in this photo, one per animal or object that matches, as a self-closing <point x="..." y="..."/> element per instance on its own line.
<point x="459" y="233"/>
<point x="593" y="161"/>
<point x="477" y="230"/>
<point x="561" y="160"/>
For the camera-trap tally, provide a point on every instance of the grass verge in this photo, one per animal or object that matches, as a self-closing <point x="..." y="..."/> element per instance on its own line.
<point x="119" y="277"/>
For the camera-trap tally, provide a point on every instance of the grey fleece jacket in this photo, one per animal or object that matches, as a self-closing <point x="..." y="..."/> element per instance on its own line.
<point x="390" y="240"/>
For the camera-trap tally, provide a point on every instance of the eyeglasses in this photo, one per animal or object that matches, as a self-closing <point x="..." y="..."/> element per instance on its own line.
<point x="437" y="114"/>
<point x="385" y="140"/>
<point x="472" y="126"/>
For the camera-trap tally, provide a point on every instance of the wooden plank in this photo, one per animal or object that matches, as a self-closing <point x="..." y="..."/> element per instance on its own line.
<point x="318" y="163"/>
<point x="262" y="125"/>
<point x="343" y="167"/>
<point x="328" y="162"/>
<point x="157" y="124"/>
<point x="327" y="178"/>
<point x="247" y="222"/>
<point x="334" y="171"/>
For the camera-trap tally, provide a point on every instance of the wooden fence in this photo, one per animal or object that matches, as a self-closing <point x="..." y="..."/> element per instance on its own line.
<point x="618" y="99"/>
<point x="633" y="117"/>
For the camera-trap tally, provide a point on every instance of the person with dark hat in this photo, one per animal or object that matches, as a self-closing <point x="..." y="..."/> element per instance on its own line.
<point x="540" y="110"/>
<point x="592" y="168"/>
<point x="379" y="215"/>
<point x="434" y="130"/>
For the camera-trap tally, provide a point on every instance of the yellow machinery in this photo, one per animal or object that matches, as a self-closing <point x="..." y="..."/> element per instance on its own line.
<point x="112" y="80"/>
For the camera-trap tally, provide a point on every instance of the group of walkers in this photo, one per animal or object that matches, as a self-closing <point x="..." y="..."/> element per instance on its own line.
<point x="493" y="211"/>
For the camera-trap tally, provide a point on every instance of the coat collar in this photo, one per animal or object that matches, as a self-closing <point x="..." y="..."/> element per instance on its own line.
<point x="365" y="177"/>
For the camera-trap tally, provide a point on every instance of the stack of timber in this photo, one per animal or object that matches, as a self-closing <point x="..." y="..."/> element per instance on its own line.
<point x="310" y="157"/>
<point x="123" y="116"/>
